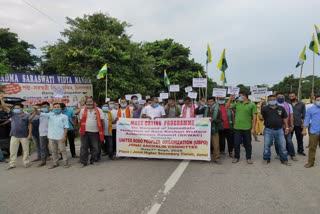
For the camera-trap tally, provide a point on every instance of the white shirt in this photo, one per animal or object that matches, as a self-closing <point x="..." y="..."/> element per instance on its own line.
<point x="153" y="112"/>
<point x="188" y="111"/>
<point x="91" y="123"/>
<point x="114" y="115"/>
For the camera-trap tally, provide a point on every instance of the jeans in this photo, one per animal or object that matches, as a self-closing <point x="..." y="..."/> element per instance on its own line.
<point x="298" y="132"/>
<point x="289" y="145"/>
<point x="44" y="150"/>
<point x="71" y="142"/>
<point x="276" y="136"/>
<point x="114" y="140"/>
<point x="108" y="145"/>
<point x="89" y="141"/>
<point x="242" y="136"/>
<point x="226" y="134"/>
<point x="1" y="155"/>
<point x="36" y="140"/>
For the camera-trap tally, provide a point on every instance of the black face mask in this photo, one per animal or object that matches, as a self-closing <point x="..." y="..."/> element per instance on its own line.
<point x="294" y="99"/>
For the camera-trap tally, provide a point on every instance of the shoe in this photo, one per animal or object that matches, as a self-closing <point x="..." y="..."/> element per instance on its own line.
<point x="230" y="155"/>
<point x="218" y="162"/>
<point x="266" y="161"/>
<point x="60" y="157"/>
<point x="53" y="166"/>
<point x="249" y="161"/>
<point x="222" y="153"/>
<point x="302" y="153"/>
<point x="66" y="165"/>
<point x="28" y="165"/>
<point x="11" y="167"/>
<point x="308" y="165"/>
<point x="235" y="160"/>
<point x="111" y="157"/>
<point x="42" y="163"/>
<point x="294" y="158"/>
<point x="83" y="165"/>
<point x="75" y="156"/>
<point x="91" y="162"/>
<point x="286" y="163"/>
<point x="3" y="161"/>
<point x="277" y="157"/>
<point x="35" y="160"/>
<point x="257" y="140"/>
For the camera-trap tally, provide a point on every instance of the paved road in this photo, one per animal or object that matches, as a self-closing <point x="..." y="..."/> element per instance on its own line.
<point x="163" y="186"/>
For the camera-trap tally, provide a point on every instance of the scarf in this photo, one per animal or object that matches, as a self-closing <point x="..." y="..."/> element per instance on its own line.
<point x="287" y="108"/>
<point x="128" y="113"/>
<point x="109" y="122"/>
<point x="214" y="129"/>
<point x="84" y="120"/>
<point x="184" y="111"/>
<point x="230" y="116"/>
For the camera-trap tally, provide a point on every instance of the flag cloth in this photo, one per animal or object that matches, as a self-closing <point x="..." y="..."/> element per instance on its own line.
<point x="318" y="33"/>
<point x="166" y="79"/>
<point x="102" y="72"/>
<point x="209" y="55"/>
<point x="314" y="46"/>
<point x="223" y="65"/>
<point x="302" y="57"/>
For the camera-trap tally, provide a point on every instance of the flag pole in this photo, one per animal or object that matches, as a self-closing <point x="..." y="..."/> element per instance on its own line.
<point x="312" y="90"/>
<point x="300" y="80"/>
<point x="206" y="95"/>
<point x="106" y="87"/>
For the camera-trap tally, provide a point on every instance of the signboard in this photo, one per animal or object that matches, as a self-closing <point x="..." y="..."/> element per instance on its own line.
<point x="259" y="92"/>
<point x="219" y="92"/>
<point x="168" y="138"/>
<point x="174" y="88"/>
<point x="199" y="82"/>
<point x="128" y="97"/>
<point x="192" y="95"/>
<point x="47" y="88"/>
<point x="233" y="90"/>
<point x="164" y="95"/>
<point x="188" y="89"/>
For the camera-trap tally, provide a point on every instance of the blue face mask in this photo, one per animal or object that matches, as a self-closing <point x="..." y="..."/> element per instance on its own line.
<point x="135" y="101"/>
<point x="272" y="103"/>
<point x="105" y="108"/>
<point x="123" y="105"/>
<point x="111" y="106"/>
<point x="280" y="100"/>
<point x="45" y="110"/>
<point x="221" y="102"/>
<point x="16" y="111"/>
<point x="90" y="105"/>
<point x="57" y="111"/>
<point x="203" y="103"/>
<point x="240" y="99"/>
<point x="156" y="105"/>
<point x="317" y="103"/>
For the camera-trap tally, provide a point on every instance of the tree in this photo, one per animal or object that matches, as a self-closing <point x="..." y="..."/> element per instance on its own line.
<point x="15" y="54"/>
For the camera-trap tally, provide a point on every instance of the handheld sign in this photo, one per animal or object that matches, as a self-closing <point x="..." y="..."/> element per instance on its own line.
<point x="219" y="92"/>
<point x="233" y="90"/>
<point x="174" y="88"/>
<point x="128" y="96"/>
<point x="259" y="92"/>
<point x="199" y="82"/>
<point x="107" y="99"/>
<point x="160" y="99"/>
<point x="192" y="95"/>
<point x="188" y="89"/>
<point x="164" y="95"/>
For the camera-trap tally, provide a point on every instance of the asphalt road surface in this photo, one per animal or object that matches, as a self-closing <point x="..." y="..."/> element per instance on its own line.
<point x="163" y="187"/>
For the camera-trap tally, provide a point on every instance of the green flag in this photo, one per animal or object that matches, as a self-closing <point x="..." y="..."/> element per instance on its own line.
<point x="314" y="46"/>
<point x="166" y="79"/>
<point x="223" y="65"/>
<point x="302" y="57"/>
<point x="102" y="72"/>
<point x="318" y="33"/>
<point x="209" y="55"/>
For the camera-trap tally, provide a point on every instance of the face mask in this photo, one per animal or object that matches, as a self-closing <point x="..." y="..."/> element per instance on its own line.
<point x="189" y="105"/>
<point x="272" y="103"/>
<point x="293" y="99"/>
<point x="280" y="100"/>
<point x="57" y="111"/>
<point x="195" y="102"/>
<point x="90" y="106"/>
<point x="240" y="99"/>
<point x="135" y="101"/>
<point x="221" y="102"/>
<point x="317" y="103"/>
<point x="111" y="106"/>
<point x="123" y="105"/>
<point x="16" y="111"/>
<point x="172" y="104"/>
<point x="104" y="108"/>
<point x="156" y="105"/>
<point x="203" y="103"/>
<point x="45" y="110"/>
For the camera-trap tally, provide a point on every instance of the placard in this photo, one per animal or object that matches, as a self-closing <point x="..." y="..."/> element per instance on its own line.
<point x="128" y="96"/>
<point x="233" y="90"/>
<point x="219" y="92"/>
<point x="188" y="89"/>
<point x="160" y="99"/>
<point x="107" y="99"/>
<point x="142" y="102"/>
<point x="174" y="88"/>
<point x="169" y="138"/>
<point x="192" y="95"/>
<point x="164" y="95"/>
<point x="259" y="92"/>
<point x="199" y="82"/>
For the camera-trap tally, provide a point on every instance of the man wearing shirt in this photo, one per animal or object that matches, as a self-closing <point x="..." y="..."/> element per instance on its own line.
<point x="172" y="109"/>
<point x="114" y="124"/>
<point x="20" y="133"/>
<point x="313" y="113"/>
<point x="188" y="108"/>
<point x="154" y="110"/>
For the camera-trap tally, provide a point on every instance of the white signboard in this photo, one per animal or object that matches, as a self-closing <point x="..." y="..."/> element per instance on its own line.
<point x="233" y="90"/>
<point x="192" y="95"/>
<point x="107" y="99"/>
<point x="164" y="95"/>
<point x="199" y="82"/>
<point x="188" y="89"/>
<point x="142" y="102"/>
<point x="259" y="92"/>
<point x="219" y="92"/>
<point x="160" y="99"/>
<point x="174" y="88"/>
<point x="128" y="96"/>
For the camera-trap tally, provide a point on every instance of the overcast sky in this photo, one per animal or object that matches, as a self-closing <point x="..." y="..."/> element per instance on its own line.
<point x="263" y="38"/>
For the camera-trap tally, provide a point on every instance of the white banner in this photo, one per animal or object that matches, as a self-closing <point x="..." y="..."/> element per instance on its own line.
<point x="219" y="92"/>
<point x="164" y="95"/>
<point x="192" y="95"/>
<point x="174" y="88"/>
<point x="233" y="90"/>
<point x="188" y="89"/>
<point x="168" y="138"/>
<point x="259" y="92"/>
<point x="199" y="82"/>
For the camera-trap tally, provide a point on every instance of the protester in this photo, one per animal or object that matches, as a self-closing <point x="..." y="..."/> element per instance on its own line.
<point x="91" y="131"/>
<point x="172" y="110"/>
<point x="212" y="111"/>
<point x="20" y="133"/>
<point x="107" y="145"/>
<point x="226" y="134"/>
<point x="244" y="125"/>
<point x="114" y="124"/>
<point x="188" y="108"/>
<point x="299" y="112"/>
<point x="58" y="126"/>
<point x="154" y="110"/>
<point x="137" y="108"/>
<point x="274" y="117"/>
<point x="289" y="144"/>
<point x="312" y="114"/>
<point x="35" y="134"/>
<point x="124" y="111"/>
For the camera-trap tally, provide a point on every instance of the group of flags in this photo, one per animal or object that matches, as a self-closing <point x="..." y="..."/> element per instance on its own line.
<point x="222" y="64"/>
<point x="313" y="46"/>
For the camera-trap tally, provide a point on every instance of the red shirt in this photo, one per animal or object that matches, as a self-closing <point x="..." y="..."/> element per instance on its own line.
<point x="224" y="116"/>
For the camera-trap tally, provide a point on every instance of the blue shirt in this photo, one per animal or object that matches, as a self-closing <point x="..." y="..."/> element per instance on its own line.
<point x="70" y="114"/>
<point x="56" y="125"/>
<point x="313" y="117"/>
<point x="19" y="125"/>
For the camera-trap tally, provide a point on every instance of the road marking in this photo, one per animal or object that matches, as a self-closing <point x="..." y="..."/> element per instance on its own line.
<point x="161" y="196"/>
